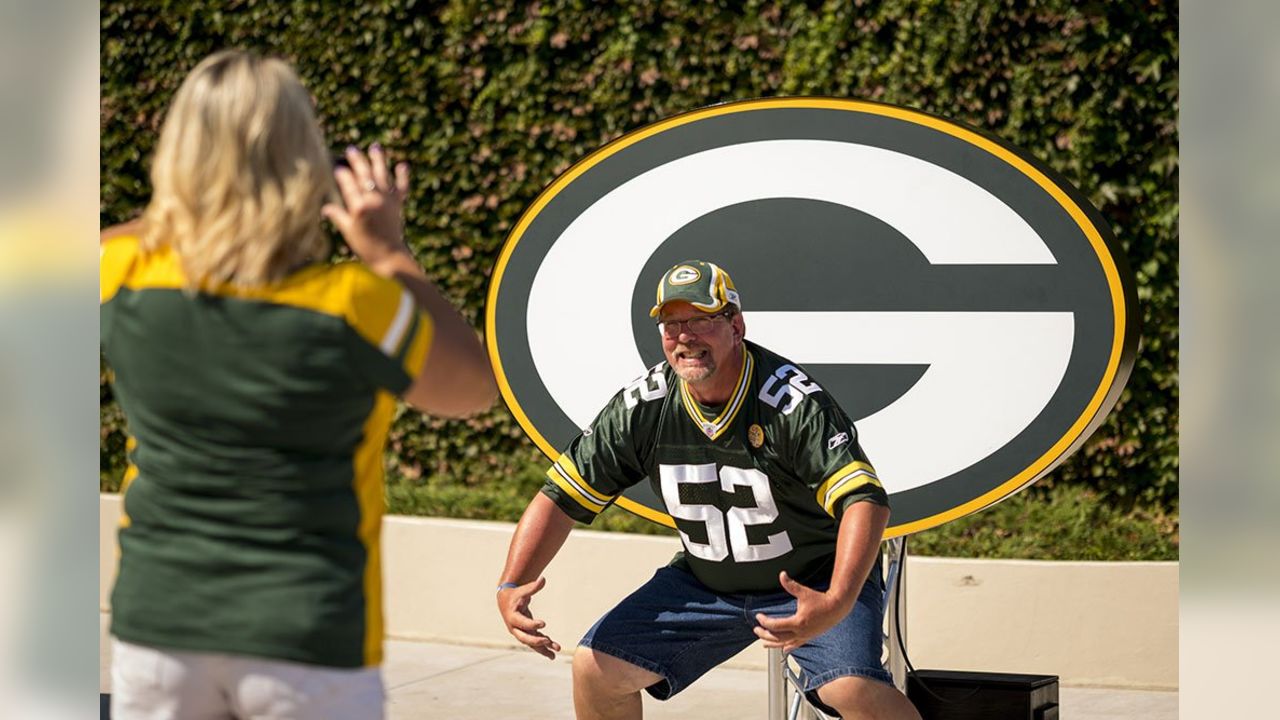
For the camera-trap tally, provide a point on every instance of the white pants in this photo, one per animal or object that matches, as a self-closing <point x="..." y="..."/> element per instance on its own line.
<point x="149" y="683"/>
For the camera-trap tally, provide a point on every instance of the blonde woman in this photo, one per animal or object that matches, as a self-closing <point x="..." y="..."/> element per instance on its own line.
<point x="259" y="383"/>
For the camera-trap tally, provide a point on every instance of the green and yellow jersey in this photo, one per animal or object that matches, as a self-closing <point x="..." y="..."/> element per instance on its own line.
<point x="756" y="486"/>
<point x="257" y="417"/>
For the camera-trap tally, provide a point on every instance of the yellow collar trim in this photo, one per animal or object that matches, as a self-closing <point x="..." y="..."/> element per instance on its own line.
<point x="713" y="429"/>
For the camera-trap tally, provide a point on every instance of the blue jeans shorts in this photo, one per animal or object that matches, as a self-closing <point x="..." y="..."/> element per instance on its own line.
<point x="678" y="628"/>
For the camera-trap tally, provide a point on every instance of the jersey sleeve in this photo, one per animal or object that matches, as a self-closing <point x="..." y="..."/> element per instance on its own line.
<point x="391" y="334"/>
<point x="829" y="459"/>
<point x="116" y="258"/>
<point x="600" y="463"/>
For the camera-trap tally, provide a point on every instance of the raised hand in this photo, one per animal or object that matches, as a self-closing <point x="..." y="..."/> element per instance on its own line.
<point x="513" y="604"/>
<point x="816" y="612"/>
<point x="371" y="216"/>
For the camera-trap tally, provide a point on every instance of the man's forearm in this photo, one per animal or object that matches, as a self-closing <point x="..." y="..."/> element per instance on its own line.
<point x="857" y="545"/>
<point x="542" y="531"/>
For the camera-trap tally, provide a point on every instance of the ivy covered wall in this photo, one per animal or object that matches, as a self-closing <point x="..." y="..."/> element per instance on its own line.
<point x="491" y="100"/>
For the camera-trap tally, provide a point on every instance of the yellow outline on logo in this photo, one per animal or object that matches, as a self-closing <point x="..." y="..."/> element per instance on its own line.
<point x="972" y="137"/>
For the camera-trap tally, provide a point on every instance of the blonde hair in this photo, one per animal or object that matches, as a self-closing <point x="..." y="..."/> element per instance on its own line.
<point x="240" y="174"/>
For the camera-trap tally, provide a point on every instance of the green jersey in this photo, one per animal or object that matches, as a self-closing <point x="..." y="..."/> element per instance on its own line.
<point x="755" y="487"/>
<point x="257" y="418"/>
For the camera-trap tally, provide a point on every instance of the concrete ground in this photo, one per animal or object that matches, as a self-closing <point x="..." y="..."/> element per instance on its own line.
<point x="435" y="680"/>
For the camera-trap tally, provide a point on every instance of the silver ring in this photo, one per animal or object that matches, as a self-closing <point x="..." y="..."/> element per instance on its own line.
<point x="371" y="186"/>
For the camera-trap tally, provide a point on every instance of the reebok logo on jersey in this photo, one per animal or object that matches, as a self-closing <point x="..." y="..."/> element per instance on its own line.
<point x="837" y="440"/>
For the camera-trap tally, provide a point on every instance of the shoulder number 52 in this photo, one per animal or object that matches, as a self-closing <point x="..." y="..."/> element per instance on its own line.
<point x="786" y="394"/>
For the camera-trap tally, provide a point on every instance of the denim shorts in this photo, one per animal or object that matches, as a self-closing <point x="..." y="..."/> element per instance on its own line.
<point x="678" y="628"/>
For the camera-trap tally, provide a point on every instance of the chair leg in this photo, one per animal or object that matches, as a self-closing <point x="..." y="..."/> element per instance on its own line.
<point x="777" y="664"/>
<point x="894" y="588"/>
<point x="797" y="704"/>
<point x="801" y="708"/>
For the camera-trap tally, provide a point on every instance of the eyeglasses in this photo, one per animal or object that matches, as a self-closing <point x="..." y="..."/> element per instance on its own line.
<point x="696" y="325"/>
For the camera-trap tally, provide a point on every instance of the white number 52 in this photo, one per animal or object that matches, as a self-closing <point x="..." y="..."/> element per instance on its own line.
<point x="726" y="531"/>
<point x="786" y="394"/>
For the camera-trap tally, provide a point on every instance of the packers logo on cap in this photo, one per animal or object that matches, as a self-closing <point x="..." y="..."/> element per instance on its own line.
<point x="683" y="275"/>
<point x="702" y="284"/>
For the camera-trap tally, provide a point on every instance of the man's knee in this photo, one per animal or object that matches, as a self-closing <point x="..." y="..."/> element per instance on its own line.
<point x="860" y="698"/>
<point x="607" y="674"/>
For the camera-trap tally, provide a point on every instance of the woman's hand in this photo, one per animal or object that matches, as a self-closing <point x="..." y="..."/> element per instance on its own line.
<point x="372" y="221"/>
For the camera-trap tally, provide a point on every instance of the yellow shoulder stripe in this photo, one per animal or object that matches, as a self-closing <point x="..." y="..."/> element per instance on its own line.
<point x="844" y="481"/>
<point x="115" y="259"/>
<point x="566" y="476"/>
<point x="565" y="484"/>
<point x="380" y="310"/>
<point x="566" y="462"/>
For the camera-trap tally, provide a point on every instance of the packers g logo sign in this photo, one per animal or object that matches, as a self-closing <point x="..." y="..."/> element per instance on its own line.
<point x="969" y="309"/>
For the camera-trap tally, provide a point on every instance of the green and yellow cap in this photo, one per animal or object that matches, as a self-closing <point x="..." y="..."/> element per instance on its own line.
<point x="702" y="284"/>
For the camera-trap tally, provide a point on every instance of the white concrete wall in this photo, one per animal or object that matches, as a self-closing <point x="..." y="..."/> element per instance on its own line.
<point x="1089" y="623"/>
<point x="441" y="578"/>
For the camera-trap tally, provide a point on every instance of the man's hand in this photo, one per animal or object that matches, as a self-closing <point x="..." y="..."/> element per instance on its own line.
<point x="816" y="612"/>
<point x="513" y="603"/>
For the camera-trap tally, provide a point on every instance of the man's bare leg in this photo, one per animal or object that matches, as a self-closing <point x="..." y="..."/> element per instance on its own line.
<point x="859" y="698"/>
<point x="606" y="688"/>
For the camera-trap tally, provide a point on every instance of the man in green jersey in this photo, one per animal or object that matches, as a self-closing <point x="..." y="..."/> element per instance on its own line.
<point x="780" y="513"/>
